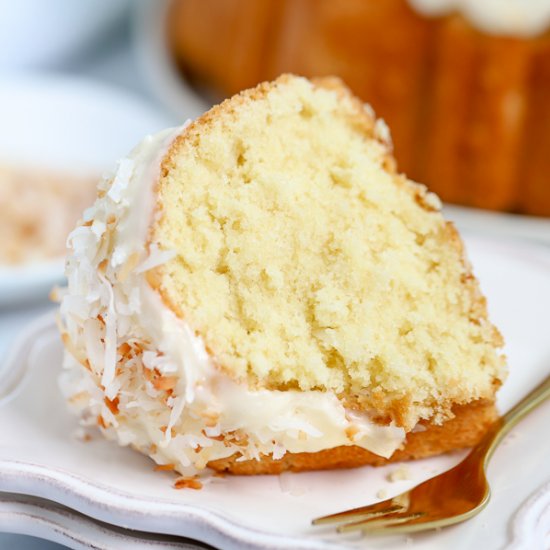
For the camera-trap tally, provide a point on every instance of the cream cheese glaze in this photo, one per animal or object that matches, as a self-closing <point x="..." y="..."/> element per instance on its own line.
<point x="522" y="18"/>
<point x="142" y="373"/>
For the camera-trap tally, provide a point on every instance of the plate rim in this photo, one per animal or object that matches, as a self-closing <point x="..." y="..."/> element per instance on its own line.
<point x="27" y="515"/>
<point x="116" y="507"/>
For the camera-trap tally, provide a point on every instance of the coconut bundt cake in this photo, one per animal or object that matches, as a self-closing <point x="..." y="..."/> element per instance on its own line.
<point x="260" y="290"/>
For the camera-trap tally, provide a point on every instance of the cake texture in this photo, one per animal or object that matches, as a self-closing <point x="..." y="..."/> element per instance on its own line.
<point x="463" y="84"/>
<point x="261" y="290"/>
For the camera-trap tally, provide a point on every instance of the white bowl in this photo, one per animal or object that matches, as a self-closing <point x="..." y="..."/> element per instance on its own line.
<point x="67" y="124"/>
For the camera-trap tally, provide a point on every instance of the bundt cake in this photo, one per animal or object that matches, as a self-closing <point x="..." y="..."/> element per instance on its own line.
<point x="261" y="290"/>
<point x="463" y="84"/>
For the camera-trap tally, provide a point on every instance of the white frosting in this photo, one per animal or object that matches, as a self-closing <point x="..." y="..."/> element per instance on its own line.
<point x="522" y="18"/>
<point x="119" y="336"/>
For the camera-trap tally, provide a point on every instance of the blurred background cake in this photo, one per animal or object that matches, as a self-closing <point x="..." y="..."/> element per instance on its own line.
<point x="27" y="200"/>
<point x="463" y="84"/>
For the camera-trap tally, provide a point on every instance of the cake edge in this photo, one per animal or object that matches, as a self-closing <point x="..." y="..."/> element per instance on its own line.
<point x="468" y="426"/>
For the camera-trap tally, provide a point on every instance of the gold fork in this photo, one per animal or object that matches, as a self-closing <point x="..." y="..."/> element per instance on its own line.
<point x="451" y="497"/>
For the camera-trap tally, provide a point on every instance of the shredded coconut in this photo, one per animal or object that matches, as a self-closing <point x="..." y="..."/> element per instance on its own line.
<point x="149" y="380"/>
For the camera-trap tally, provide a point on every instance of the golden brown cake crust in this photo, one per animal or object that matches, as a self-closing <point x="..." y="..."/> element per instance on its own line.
<point x="468" y="426"/>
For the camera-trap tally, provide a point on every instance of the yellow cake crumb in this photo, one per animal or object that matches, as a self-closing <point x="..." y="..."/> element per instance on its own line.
<point x="400" y="474"/>
<point x="306" y="262"/>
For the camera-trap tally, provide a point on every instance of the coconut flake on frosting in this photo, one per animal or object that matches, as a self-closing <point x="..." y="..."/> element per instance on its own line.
<point x="142" y="374"/>
<point x="522" y="18"/>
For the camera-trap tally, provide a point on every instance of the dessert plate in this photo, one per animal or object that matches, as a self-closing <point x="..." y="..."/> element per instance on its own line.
<point x="44" y="519"/>
<point x="41" y="456"/>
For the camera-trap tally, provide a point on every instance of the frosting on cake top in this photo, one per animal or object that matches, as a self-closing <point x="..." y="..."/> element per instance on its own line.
<point x="524" y="18"/>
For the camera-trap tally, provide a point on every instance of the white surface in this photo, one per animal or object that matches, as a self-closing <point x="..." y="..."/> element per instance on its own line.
<point x="70" y="124"/>
<point x="39" y="456"/>
<point x="163" y="77"/>
<point x="499" y="225"/>
<point x="13" y="320"/>
<point x="34" y="33"/>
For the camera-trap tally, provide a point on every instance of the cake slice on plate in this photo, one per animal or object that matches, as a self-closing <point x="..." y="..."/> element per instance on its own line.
<point x="261" y="290"/>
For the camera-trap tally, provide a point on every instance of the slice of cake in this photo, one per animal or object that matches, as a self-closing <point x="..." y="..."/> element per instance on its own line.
<point x="260" y="290"/>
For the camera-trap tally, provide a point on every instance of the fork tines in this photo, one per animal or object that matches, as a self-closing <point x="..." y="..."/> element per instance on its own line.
<point x="364" y="513"/>
<point x="371" y="524"/>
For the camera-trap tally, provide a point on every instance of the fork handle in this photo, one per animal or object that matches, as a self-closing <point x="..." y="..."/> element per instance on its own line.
<point x="516" y="413"/>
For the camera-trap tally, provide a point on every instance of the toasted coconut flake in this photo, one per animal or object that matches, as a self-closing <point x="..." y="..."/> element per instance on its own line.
<point x="237" y="438"/>
<point x="187" y="483"/>
<point x="159" y="381"/>
<point x="101" y="422"/>
<point x="149" y="374"/>
<point x="165" y="382"/>
<point x="112" y="405"/>
<point x="351" y="431"/>
<point x="164" y="429"/>
<point x="165" y="467"/>
<point x="211" y="418"/>
<point x="124" y="349"/>
<point x="220" y="437"/>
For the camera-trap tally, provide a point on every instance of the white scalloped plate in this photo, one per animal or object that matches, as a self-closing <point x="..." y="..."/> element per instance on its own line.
<point x="39" y="455"/>
<point x="44" y="519"/>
